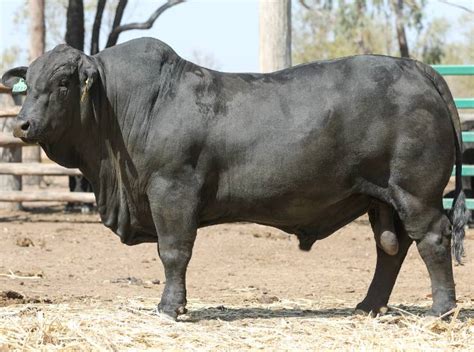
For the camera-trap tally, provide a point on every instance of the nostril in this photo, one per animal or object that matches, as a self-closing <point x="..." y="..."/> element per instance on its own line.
<point x="24" y="126"/>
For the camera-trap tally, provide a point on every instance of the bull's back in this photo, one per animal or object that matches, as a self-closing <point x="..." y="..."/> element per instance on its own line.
<point x="310" y="136"/>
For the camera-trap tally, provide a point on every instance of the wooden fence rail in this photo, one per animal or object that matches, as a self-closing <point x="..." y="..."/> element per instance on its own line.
<point x="4" y="89"/>
<point x="7" y="140"/>
<point x="10" y="112"/>
<point x="32" y="169"/>
<point x="46" y="196"/>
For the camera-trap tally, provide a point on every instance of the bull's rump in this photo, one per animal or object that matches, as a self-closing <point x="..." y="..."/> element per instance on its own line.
<point x="312" y="137"/>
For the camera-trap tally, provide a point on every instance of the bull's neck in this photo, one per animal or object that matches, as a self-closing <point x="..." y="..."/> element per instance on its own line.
<point x="99" y="138"/>
<point x="115" y="118"/>
<point x="107" y="163"/>
<point x="106" y="144"/>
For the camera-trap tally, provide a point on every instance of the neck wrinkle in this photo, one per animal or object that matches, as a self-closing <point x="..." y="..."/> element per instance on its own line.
<point x="91" y="145"/>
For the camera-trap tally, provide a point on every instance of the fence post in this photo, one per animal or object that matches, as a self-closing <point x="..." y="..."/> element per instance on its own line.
<point x="9" y="154"/>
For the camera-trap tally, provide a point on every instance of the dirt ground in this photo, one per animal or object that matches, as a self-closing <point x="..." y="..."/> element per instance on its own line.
<point x="68" y="284"/>
<point x="47" y="254"/>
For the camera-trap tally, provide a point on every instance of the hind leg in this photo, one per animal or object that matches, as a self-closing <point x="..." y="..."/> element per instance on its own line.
<point x="426" y="223"/>
<point x="435" y="250"/>
<point x="386" y="272"/>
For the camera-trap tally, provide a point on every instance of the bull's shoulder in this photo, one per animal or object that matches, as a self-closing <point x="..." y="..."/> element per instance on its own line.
<point x="150" y="49"/>
<point x="146" y="44"/>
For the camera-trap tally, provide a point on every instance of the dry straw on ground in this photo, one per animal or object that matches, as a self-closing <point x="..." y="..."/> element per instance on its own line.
<point x="284" y="325"/>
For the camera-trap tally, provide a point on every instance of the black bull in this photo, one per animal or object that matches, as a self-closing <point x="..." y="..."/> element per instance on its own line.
<point x="170" y="147"/>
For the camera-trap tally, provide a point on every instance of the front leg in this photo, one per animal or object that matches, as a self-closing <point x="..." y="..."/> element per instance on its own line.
<point x="173" y="206"/>
<point x="175" y="249"/>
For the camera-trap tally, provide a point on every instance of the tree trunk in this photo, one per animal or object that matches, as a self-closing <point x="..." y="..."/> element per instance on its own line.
<point x="75" y="24"/>
<point x="400" y="24"/>
<point x="75" y="38"/>
<point x="275" y="35"/>
<point x="37" y="40"/>
<point x="37" y="28"/>
<point x="361" y="9"/>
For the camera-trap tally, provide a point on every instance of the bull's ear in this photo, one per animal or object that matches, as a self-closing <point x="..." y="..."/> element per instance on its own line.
<point x="11" y="77"/>
<point x="88" y="74"/>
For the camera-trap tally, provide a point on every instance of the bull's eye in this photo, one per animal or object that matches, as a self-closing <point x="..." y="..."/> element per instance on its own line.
<point x="62" y="91"/>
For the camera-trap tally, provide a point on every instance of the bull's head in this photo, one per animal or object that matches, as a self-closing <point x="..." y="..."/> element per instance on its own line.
<point x="55" y="84"/>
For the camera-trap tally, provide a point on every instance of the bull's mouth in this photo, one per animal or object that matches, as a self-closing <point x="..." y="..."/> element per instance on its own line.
<point x="26" y="137"/>
<point x="26" y="132"/>
<point x="30" y="140"/>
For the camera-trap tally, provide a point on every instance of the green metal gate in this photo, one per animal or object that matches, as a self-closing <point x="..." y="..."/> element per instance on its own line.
<point x="461" y="103"/>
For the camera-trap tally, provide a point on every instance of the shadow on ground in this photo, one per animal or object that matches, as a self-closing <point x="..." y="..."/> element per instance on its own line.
<point x="234" y="314"/>
<point x="53" y="214"/>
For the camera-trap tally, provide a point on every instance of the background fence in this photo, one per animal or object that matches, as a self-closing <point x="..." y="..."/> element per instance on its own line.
<point x="38" y="169"/>
<point x="461" y="104"/>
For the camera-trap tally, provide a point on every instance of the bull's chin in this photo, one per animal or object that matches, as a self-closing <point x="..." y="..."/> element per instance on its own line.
<point x="30" y="137"/>
<point x="26" y="137"/>
<point x="30" y="140"/>
<point x="60" y="153"/>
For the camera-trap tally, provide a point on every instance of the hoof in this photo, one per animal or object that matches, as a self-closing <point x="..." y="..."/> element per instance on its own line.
<point x="444" y="312"/>
<point x="165" y="317"/>
<point x="370" y="311"/>
<point x="181" y="310"/>
<point x="170" y="312"/>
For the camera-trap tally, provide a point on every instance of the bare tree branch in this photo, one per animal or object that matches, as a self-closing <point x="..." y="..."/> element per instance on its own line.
<point x="116" y="30"/>
<point x="456" y="5"/>
<point x="305" y="5"/>
<point x="116" y="24"/>
<point x="96" y="27"/>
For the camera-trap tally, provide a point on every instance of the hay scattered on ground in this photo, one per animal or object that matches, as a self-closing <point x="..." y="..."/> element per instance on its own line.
<point x="284" y="325"/>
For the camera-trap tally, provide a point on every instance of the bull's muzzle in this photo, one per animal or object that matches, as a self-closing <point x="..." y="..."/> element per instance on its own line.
<point x="21" y="128"/>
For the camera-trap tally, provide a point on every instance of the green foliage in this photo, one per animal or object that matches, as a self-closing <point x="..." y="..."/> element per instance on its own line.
<point x="357" y="27"/>
<point x="9" y="58"/>
<point x="362" y="27"/>
<point x="462" y="54"/>
<point x="349" y="28"/>
<point x="327" y="30"/>
<point x="430" y="46"/>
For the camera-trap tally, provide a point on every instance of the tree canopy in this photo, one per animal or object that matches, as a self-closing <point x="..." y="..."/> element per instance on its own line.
<point x="327" y="29"/>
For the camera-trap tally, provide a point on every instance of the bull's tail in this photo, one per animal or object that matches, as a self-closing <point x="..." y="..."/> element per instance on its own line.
<point x="459" y="214"/>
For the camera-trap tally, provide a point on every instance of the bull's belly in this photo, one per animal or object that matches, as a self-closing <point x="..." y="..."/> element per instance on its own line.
<point x="309" y="217"/>
<point x="330" y="218"/>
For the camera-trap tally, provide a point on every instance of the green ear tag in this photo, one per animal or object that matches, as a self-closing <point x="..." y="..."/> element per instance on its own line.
<point x="19" y="86"/>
